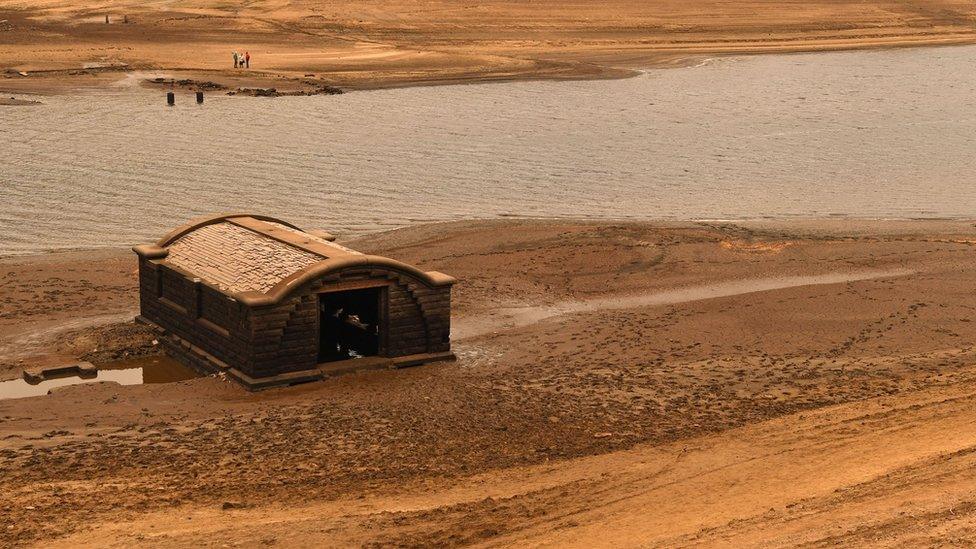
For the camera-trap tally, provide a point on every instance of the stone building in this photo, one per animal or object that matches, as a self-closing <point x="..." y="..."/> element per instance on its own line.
<point x="270" y="304"/>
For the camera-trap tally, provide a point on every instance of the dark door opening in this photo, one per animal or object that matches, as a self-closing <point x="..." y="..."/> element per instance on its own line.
<point x="349" y="324"/>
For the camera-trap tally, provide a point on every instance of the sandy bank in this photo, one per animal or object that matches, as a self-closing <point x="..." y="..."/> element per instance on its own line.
<point x="14" y="102"/>
<point x="688" y="390"/>
<point x="354" y="45"/>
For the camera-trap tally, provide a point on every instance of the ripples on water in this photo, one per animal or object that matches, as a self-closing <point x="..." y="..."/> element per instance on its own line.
<point x="863" y="134"/>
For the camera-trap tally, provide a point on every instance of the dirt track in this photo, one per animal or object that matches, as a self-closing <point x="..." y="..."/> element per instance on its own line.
<point x="303" y="44"/>
<point x="795" y="413"/>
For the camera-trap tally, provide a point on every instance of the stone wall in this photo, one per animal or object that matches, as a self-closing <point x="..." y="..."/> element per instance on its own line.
<point x="418" y="321"/>
<point x="196" y="313"/>
<point x="285" y="336"/>
<point x="268" y="341"/>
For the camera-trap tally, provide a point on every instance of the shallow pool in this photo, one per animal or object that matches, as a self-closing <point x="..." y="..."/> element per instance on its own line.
<point x="157" y="369"/>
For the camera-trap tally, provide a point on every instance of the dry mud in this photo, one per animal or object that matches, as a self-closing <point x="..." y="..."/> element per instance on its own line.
<point x="299" y="46"/>
<point x="833" y="408"/>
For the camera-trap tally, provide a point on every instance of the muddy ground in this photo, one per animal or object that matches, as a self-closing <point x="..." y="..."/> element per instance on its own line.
<point x="787" y="381"/>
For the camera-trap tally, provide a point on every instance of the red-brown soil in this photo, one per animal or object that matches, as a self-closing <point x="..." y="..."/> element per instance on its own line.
<point x="303" y="44"/>
<point x="822" y="413"/>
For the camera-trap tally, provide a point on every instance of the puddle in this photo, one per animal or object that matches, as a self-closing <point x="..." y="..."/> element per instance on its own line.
<point x="156" y="369"/>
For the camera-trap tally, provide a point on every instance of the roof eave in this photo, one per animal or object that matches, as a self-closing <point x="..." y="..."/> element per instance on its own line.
<point x="150" y="251"/>
<point x="288" y="285"/>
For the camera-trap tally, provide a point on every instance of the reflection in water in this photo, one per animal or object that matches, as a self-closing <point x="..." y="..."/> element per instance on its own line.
<point x="158" y="369"/>
<point x="865" y="134"/>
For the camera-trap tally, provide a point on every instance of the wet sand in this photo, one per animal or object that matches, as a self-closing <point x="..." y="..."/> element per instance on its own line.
<point x="688" y="383"/>
<point x="355" y="45"/>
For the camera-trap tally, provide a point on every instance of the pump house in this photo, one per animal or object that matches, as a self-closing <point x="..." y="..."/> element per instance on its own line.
<point x="270" y="304"/>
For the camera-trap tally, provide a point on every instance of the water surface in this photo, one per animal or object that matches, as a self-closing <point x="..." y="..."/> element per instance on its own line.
<point x="157" y="369"/>
<point x="886" y="134"/>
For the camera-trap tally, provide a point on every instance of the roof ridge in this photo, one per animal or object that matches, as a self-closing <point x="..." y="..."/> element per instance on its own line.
<point x="295" y="238"/>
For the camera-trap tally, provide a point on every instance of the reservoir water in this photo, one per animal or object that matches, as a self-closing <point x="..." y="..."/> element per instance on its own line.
<point x="885" y="134"/>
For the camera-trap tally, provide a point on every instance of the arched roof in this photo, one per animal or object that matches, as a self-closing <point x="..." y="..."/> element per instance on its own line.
<point x="261" y="260"/>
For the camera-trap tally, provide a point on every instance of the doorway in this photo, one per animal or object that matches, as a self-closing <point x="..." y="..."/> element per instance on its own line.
<point x="349" y="324"/>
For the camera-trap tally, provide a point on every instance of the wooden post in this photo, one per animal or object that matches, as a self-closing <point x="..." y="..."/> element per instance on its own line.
<point x="106" y="19"/>
<point x="200" y="97"/>
<point x="170" y="98"/>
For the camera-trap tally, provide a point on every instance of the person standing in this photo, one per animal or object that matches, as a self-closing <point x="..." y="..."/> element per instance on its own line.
<point x="236" y="59"/>
<point x="247" y="59"/>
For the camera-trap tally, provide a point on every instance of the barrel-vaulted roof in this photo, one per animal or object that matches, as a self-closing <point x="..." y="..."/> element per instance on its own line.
<point x="259" y="259"/>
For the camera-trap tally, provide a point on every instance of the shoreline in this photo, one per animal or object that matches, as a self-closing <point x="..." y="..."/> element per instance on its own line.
<point x="824" y="225"/>
<point x="300" y="50"/>
<point x="54" y="82"/>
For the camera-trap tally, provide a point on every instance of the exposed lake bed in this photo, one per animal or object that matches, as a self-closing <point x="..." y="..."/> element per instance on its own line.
<point x="689" y="348"/>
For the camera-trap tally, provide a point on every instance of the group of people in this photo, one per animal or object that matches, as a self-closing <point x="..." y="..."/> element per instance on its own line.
<point x="242" y="61"/>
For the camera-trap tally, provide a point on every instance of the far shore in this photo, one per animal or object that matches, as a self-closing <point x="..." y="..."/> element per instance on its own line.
<point x="304" y="50"/>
